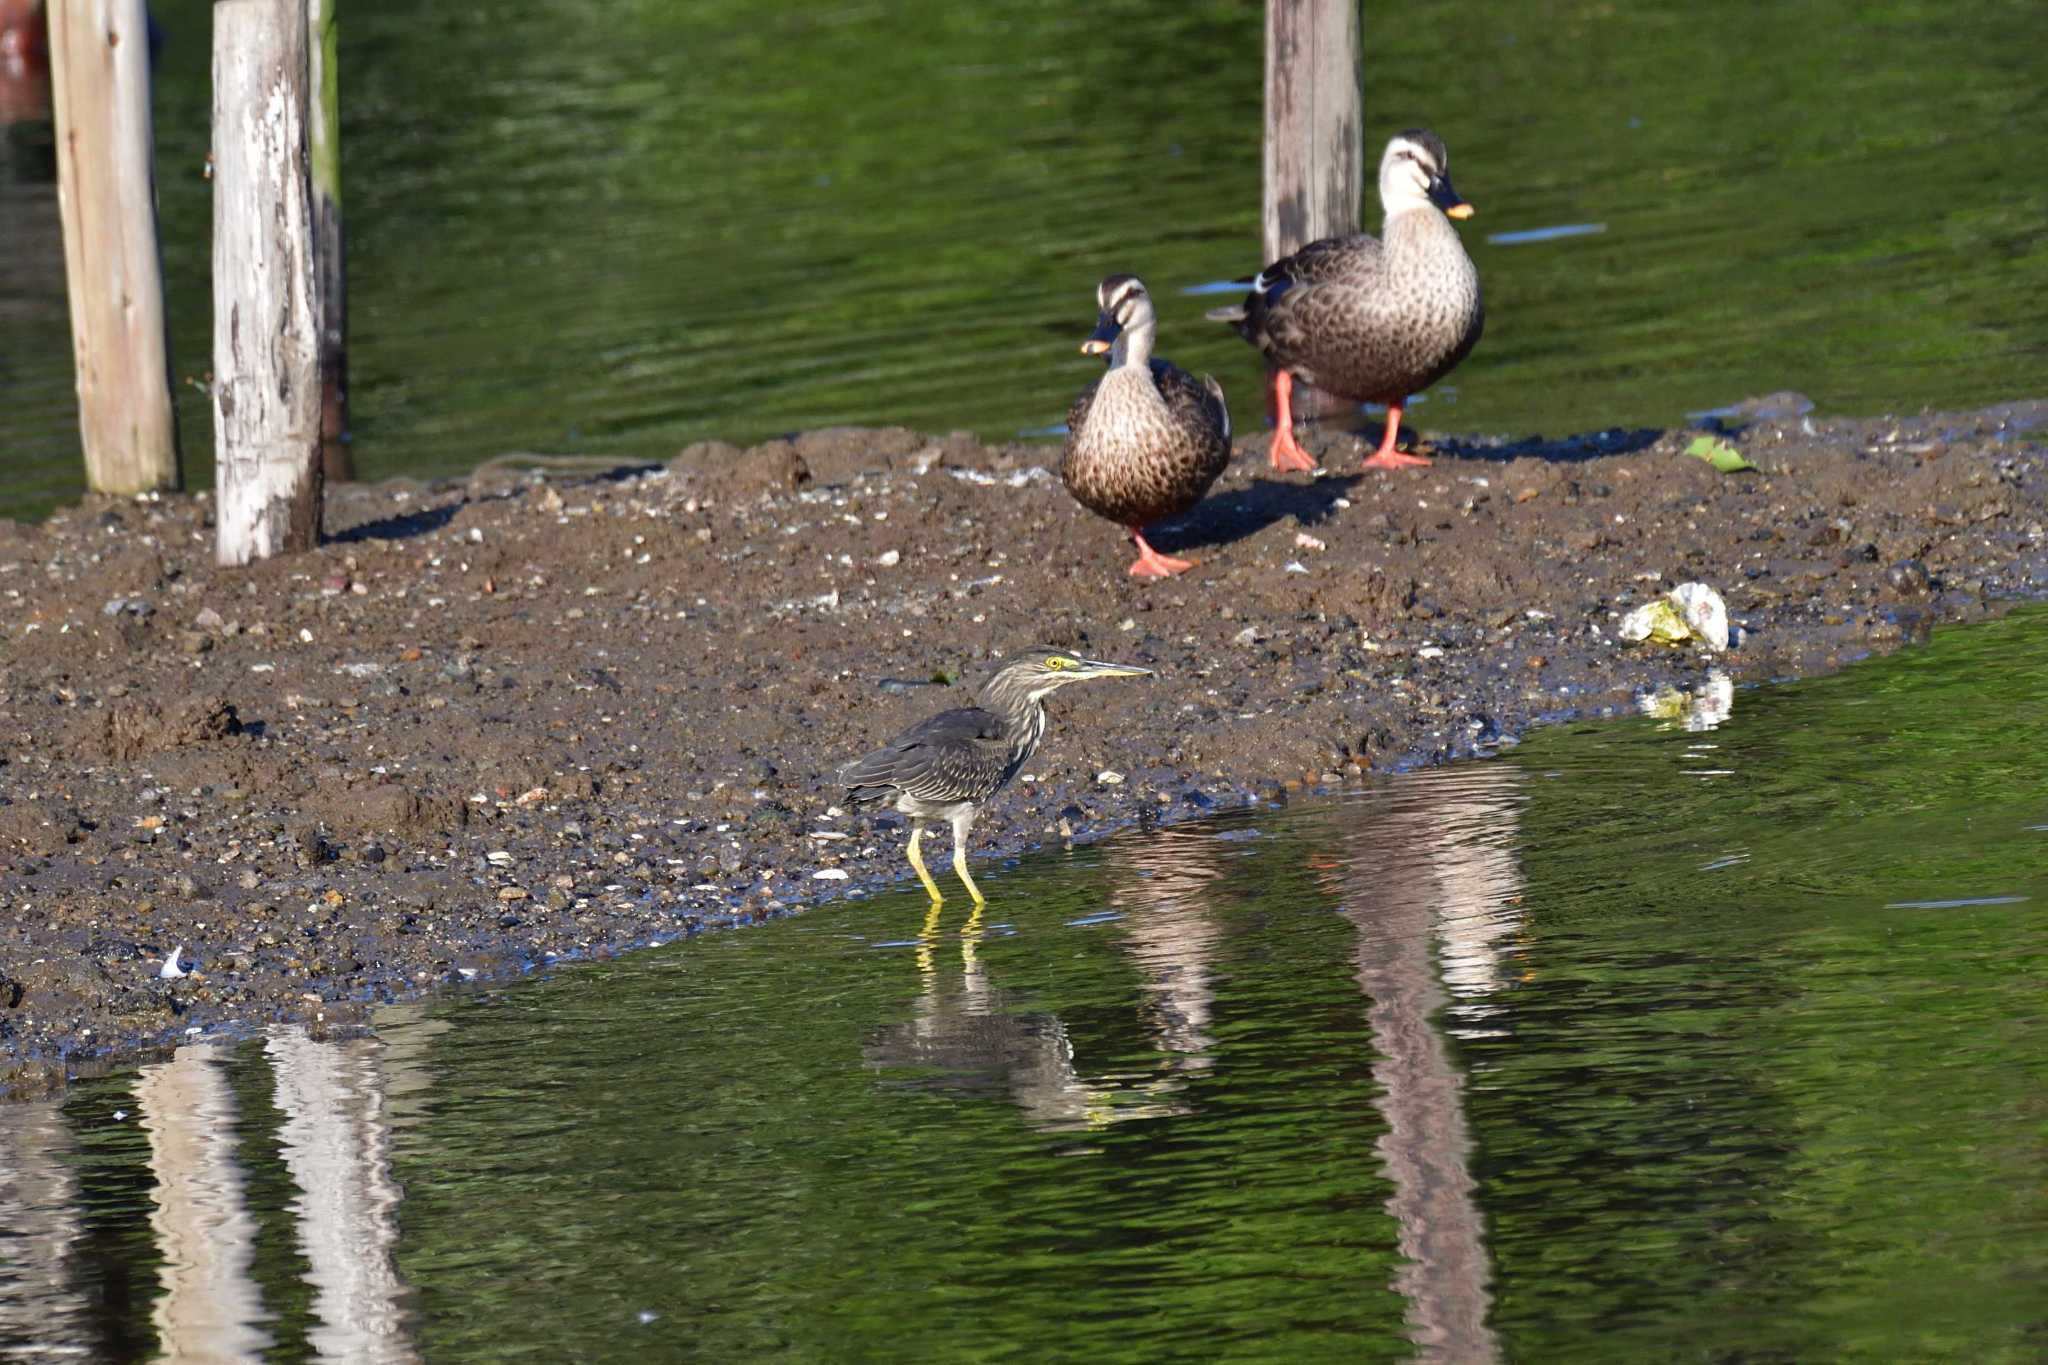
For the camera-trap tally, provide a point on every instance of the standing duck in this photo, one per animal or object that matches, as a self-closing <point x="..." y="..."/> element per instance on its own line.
<point x="1146" y="440"/>
<point x="1371" y="320"/>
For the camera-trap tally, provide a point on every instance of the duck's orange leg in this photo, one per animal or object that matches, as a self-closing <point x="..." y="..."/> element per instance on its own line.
<point x="1286" y="452"/>
<point x="1152" y="564"/>
<point x="1386" y="457"/>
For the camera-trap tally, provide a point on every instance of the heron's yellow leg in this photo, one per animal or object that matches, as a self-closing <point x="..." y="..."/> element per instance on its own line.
<point x="960" y="866"/>
<point x="924" y="874"/>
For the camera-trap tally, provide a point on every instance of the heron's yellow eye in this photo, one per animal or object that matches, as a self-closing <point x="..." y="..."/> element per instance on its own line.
<point x="1057" y="662"/>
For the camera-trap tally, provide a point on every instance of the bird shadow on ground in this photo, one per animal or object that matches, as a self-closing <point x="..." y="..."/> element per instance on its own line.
<point x="1244" y="512"/>
<point x="506" y="476"/>
<point x="403" y="527"/>
<point x="1590" y="445"/>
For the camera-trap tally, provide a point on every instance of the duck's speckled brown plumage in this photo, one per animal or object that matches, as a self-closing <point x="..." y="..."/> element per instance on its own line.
<point x="1372" y="320"/>
<point x="1137" y="459"/>
<point x="1147" y="439"/>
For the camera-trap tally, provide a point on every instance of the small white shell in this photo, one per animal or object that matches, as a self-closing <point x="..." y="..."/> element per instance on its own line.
<point x="1704" y="611"/>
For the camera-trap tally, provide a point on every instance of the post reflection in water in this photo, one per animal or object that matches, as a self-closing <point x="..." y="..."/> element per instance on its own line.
<point x="40" y="1230"/>
<point x="209" y="1306"/>
<point x="336" y="1146"/>
<point x="1165" y="882"/>
<point x="332" y="1138"/>
<point x="1430" y="877"/>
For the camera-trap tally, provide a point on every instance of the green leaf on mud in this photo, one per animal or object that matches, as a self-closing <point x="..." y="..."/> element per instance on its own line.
<point x="1719" y="454"/>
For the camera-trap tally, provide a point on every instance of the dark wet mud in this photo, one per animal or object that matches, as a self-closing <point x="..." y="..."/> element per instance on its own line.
<point x="536" y="715"/>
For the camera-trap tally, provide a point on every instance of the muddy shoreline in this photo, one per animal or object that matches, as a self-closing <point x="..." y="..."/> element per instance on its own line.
<point x="544" y="714"/>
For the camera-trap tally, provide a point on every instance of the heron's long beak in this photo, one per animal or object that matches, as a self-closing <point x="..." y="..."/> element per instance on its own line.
<point x="1098" y="668"/>
<point x="1444" y="197"/>
<point x="1103" y="337"/>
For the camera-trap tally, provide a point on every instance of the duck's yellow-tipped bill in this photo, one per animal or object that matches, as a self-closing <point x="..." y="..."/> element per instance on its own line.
<point x="1103" y="337"/>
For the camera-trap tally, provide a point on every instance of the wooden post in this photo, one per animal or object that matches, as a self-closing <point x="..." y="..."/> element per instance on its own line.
<point x="266" y="340"/>
<point x="329" y="240"/>
<point x="106" y="195"/>
<point x="1315" y="130"/>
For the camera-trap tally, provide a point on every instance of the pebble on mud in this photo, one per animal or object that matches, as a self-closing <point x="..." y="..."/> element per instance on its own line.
<point x="1908" y="579"/>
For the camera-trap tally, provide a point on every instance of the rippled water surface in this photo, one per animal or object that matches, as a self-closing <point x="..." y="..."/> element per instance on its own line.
<point x="616" y="235"/>
<point x="1640" y="1042"/>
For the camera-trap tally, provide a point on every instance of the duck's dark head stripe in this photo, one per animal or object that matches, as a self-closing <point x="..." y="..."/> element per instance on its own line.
<point x="1432" y="147"/>
<point x="1110" y="292"/>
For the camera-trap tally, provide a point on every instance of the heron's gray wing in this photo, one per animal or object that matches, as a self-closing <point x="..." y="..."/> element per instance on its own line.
<point x="958" y="755"/>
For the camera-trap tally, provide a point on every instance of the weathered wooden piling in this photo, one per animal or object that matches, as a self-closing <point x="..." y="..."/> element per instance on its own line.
<point x="329" y="237"/>
<point x="1315" y="127"/>
<point x="266" y="339"/>
<point x="113" y="269"/>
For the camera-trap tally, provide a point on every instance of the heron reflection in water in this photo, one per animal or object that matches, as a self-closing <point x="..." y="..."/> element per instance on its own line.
<point x="972" y="1037"/>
